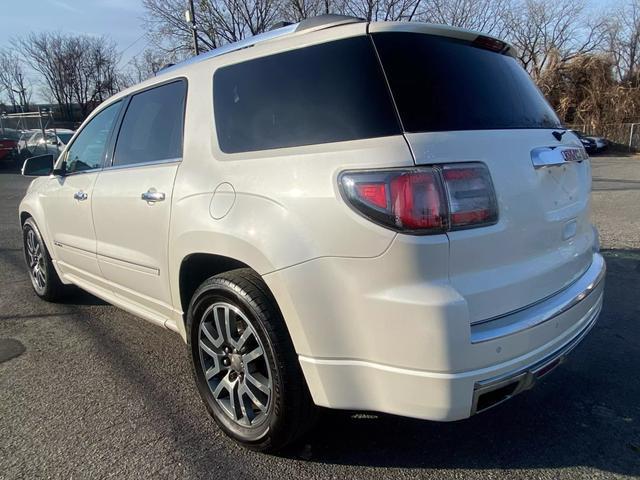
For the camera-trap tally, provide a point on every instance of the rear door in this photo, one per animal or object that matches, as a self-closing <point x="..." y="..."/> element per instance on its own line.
<point x="465" y="100"/>
<point x="132" y="197"/>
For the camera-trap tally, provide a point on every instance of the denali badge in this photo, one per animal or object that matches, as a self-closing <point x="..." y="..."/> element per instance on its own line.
<point x="574" y="154"/>
<point x="554" y="156"/>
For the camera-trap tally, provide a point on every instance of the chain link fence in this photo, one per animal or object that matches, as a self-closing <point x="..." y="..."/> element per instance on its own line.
<point x="623" y="136"/>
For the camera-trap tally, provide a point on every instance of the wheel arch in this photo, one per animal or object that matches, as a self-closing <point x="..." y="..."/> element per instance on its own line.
<point x="29" y="210"/>
<point x="195" y="268"/>
<point x="24" y="215"/>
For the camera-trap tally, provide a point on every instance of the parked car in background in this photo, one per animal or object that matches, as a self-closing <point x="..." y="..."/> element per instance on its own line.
<point x="52" y="142"/>
<point x="8" y="147"/>
<point x="591" y="144"/>
<point x="378" y="216"/>
<point x="8" y="151"/>
<point x="601" y="143"/>
<point x="25" y="135"/>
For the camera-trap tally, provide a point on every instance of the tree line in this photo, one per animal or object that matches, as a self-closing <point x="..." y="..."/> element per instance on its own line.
<point x="586" y="61"/>
<point x="74" y="72"/>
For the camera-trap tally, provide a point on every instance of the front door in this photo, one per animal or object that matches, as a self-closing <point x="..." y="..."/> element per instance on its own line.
<point x="132" y="198"/>
<point x="67" y="200"/>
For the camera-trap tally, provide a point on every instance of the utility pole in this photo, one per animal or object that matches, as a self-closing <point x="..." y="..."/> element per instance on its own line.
<point x="191" y="19"/>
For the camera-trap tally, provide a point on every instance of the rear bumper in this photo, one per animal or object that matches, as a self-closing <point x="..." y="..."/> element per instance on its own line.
<point x="359" y="385"/>
<point x="493" y="391"/>
<point x="543" y="311"/>
<point x="412" y="351"/>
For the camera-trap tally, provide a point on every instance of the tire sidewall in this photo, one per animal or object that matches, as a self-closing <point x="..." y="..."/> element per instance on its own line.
<point x="29" y="225"/>
<point x="223" y="290"/>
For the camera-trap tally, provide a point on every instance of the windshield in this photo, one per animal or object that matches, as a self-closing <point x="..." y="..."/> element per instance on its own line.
<point x="441" y="83"/>
<point x="65" y="137"/>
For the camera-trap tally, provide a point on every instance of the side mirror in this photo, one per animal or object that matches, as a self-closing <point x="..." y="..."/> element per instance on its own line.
<point x="40" y="166"/>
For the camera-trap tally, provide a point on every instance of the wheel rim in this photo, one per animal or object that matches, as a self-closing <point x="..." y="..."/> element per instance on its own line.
<point x="234" y="364"/>
<point x="35" y="260"/>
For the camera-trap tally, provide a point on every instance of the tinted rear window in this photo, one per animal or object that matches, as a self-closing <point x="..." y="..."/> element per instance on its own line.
<point x="446" y="84"/>
<point x="151" y="129"/>
<point x="324" y="93"/>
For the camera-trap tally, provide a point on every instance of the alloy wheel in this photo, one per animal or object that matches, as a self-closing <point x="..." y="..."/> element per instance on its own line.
<point x="36" y="260"/>
<point x="234" y="364"/>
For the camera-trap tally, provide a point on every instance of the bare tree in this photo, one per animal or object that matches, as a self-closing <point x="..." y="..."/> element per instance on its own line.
<point x="73" y="69"/>
<point x="587" y="63"/>
<point x="296" y="10"/>
<point x="219" y="22"/>
<point x="389" y="10"/>
<point x="538" y="28"/>
<point x="623" y="36"/>
<point x="44" y="52"/>
<point x="166" y="26"/>
<point x="13" y="81"/>
<point x="485" y="16"/>
<point x="147" y="64"/>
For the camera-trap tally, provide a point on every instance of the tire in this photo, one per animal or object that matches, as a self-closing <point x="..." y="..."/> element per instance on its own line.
<point x="261" y="401"/>
<point x="42" y="273"/>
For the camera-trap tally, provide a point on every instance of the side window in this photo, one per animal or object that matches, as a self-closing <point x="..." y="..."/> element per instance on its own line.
<point x="36" y="138"/>
<point x="151" y="130"/>
<point x="87" y="150"/>
<point x="324" y="93"/>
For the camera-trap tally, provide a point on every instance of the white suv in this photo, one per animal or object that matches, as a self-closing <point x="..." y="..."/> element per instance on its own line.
<point x="370" y="216"/>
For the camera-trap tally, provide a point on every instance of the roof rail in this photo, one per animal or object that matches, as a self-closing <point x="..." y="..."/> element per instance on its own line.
<point x="232" y="47"/>
<point x="325" y="21"/>
<point x="328" y="20"/>
<point x="165" y="66"/>
<point x="280" y="24"/>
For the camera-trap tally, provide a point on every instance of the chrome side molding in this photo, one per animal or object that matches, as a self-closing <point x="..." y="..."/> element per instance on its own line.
<point x="542" y="157"/>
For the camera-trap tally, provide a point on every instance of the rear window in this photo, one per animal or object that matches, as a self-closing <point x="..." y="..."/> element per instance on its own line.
<point x="152" y="126"/>
<point x="441" y="84"/>
<point x="324" y="93"/>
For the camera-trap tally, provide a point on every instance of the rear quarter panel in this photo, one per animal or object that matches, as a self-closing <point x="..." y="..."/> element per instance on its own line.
<point x="285" y="204"/>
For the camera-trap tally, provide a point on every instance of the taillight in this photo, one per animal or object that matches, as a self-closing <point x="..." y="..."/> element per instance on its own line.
<point x="424" y="200"/>
<point x="470" y="193"/>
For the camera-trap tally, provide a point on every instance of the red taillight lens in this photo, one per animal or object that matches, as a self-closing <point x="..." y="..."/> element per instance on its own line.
<point x="424" y="200"/>
<point x="373" y="193"/>
<point x="417" y="201"/>
<point x="489" y="43"/>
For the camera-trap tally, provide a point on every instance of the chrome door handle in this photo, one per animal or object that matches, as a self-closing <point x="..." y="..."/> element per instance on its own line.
<point x="152" y="196"/>
<point x="80" y="195"/>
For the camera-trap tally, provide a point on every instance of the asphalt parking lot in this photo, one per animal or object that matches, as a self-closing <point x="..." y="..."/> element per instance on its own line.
<point x="98" y="393"/>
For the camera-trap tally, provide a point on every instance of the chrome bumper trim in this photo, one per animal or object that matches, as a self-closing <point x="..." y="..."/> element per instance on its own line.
<point x="543" y="311"/>
<point x="526" y="377"/>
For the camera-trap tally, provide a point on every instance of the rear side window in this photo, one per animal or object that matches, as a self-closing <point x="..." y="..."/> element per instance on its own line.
<point x="324" y="93"/>
<point x="440" y="83"/>
<point x="152" y="126"/>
